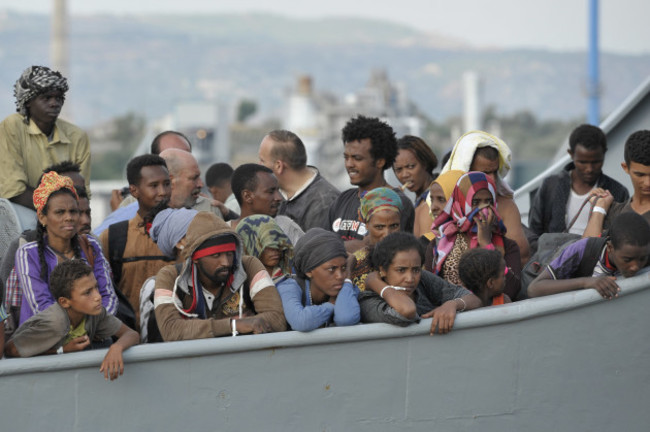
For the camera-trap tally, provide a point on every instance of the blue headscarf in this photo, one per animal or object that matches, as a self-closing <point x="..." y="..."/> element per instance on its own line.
<point x="169" y="227"/>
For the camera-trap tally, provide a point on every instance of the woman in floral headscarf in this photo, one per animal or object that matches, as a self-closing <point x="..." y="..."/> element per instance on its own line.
<point x="470" y="220"/>
<point x="55" y="200"/>
<point x="264" y="239"/>
<point x="380" y="210"/>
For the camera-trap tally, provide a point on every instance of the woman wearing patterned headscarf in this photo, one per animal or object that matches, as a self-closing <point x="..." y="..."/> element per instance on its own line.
<point x="55" y="200"/>
<point x="319" y="295"/>
<point x="380" y="210"/>
<point x="481" y="151"/>
<point x="470" y="220"/>
<point x="439" y="192"/>
<point x="264" y="239"/>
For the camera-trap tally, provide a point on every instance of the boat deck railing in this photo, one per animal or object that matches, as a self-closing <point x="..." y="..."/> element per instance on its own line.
<point x="509" y="313"/>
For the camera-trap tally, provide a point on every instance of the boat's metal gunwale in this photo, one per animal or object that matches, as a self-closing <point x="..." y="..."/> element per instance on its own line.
<point x="513" y="312"/>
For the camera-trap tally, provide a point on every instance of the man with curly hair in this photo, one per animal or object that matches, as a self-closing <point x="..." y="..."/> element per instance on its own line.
<point x="35" y="137"/>
<point x="637" y="166"/>
<point x="370" y="149"/>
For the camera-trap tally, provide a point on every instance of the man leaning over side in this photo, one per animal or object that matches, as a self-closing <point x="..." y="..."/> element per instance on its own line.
<point x="216" y="291"/>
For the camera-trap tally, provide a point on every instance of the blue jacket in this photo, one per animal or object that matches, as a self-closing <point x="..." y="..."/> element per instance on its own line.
<point x="303" y="316"/>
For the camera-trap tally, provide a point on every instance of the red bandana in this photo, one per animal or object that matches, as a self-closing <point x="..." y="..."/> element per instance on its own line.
<point x="225" y="247"/>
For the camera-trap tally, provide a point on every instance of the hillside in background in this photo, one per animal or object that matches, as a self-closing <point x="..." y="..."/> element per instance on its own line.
<point x="146" y="64"/>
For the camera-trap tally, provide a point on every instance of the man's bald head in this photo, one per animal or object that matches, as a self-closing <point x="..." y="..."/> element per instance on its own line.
<point x="169" y="140"/>
<point x="185" y="177"/>
<point x="177" y="160"/>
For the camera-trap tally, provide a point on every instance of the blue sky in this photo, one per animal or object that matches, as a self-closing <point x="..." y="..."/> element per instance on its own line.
<point x="558" y="25"/>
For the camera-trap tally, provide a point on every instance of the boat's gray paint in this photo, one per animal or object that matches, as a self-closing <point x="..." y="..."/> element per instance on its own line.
<point x="570" y="362"/>
<point x="631" y="115"/>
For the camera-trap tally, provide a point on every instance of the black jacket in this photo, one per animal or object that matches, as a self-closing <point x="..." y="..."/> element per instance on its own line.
<point x="548" y="209"/>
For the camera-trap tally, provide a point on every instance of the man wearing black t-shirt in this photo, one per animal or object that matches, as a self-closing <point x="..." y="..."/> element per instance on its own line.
<point x="370" y="149"/>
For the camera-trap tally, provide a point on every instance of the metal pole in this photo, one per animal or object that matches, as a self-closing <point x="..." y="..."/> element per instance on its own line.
<point x="593" y="84"/>
<point x="59" y="47"/>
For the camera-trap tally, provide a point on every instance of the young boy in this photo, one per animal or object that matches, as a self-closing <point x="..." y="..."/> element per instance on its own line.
<point x="76" y="319"/>
<point x="637" y="166"/>
<point x="625" y="253"/>
<point x="483" y="272"/>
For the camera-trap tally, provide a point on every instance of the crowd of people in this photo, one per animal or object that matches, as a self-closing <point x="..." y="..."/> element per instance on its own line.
<point x="273" y="246"/>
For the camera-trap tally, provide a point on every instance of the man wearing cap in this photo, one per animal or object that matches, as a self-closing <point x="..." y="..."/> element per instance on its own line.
<point x="35" y="137"/>
<point x="216" y="291"/>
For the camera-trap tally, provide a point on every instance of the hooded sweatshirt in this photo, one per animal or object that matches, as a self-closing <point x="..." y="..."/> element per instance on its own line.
<point x="251" y="292"/>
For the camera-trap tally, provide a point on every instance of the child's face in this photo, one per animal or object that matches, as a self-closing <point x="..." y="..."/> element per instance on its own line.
<point x="405" y="270"/>
<point x="270" y="257"/>
<point x="628" y="259"/>
<point x="84" y="297"/>
<point x="498" y="284"/>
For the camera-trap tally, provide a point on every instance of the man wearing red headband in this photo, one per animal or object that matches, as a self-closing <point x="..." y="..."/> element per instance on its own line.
<point x="216" y="291"/>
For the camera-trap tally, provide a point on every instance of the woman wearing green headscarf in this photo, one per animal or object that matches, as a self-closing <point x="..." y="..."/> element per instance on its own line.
<point x="380" y="211"/>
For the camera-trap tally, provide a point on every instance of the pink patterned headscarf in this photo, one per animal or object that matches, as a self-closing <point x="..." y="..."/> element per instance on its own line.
<point x="458" y="216"/>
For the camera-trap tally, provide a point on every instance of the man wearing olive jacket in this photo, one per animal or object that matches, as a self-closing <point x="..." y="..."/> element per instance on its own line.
<point x="216" y="291"/>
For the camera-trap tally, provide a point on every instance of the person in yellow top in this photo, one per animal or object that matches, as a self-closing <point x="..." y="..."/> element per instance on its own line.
<point x="35" y="138"/>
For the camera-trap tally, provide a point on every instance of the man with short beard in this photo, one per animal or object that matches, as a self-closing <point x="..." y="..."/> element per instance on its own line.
<point x="307" y="195"/>
<point x="186" y="182"/>
<point x="216" y="291"/>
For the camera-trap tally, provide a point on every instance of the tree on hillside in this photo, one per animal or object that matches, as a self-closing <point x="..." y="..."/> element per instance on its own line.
<point x="246" y="109"/>
<point x="124" y="133"/>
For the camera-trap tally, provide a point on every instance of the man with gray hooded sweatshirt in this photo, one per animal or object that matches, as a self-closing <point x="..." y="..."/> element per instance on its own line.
<point x="216" y="291"/>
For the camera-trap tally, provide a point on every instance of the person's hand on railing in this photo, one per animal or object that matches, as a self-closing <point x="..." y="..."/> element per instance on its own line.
<point x="605" y="285"/>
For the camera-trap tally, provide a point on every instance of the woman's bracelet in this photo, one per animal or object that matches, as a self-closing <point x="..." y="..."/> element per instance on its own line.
<point x="396" y="288"/>
<point x="464" y="304"/>
<point x="60" y="350"/>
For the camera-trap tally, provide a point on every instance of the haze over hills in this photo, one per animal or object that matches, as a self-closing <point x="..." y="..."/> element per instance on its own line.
<point x="148" y="63"/>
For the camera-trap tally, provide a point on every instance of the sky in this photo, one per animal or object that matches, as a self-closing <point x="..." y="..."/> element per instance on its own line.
<point x="558" y="25"/>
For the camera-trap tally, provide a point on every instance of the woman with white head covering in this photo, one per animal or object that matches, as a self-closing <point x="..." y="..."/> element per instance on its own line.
<point x="484" y="152"/>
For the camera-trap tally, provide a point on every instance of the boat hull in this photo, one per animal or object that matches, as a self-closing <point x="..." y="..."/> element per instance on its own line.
<point x="566" y="362"/>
